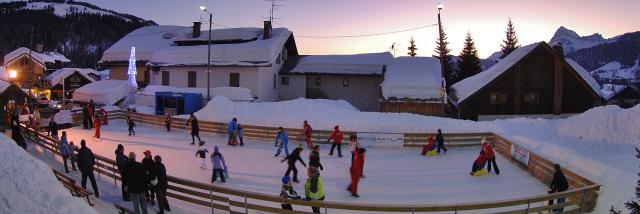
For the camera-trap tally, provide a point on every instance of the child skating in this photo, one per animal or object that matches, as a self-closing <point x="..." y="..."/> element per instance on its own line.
<point x="291" y="163"/>
<point x="284" y="142"/>
<point x="202" y="153"/>
<point x="96" y="124"/>
<point x="353" y="146"/>
<point x="357" y="172"/>
<point x="131" y="124"/>
<point x="336" y="136"/>
<point x="306" y="131"/>
<point x="287" y="191"/>
<point x="491" y="157"/>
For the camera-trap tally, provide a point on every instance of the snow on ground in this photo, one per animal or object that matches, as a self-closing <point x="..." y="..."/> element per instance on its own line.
<point x="394" y="176"/>
<point x="26" y="180"/>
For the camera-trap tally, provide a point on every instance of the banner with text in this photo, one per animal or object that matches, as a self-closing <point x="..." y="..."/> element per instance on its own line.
<point x="520" y="155"/>
<point x="367" y="138"/>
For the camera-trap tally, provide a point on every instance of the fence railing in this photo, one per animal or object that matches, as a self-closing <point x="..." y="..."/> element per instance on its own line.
<point x="582" y="195"/>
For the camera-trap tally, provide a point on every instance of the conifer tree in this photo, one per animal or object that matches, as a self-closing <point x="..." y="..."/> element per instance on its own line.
<point x="412" y="48"/>
<point x="511" y="42"/>
<point x="442" y="51"/>
<point x="469" y="63"/>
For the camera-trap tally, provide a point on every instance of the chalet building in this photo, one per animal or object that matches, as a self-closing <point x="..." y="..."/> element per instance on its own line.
<point x="11" y="95"/>
<point x="533" y="80"/>
<point x="70" y="79"/>
<point x="413" y="85"/>
<point x="31" y="67"/>
<point x="354" y="78"/>
<point x="625" y="97"/>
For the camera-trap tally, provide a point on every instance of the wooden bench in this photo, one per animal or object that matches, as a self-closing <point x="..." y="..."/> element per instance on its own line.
<point x="124" y="210"/>
<point x="69" y="183"/>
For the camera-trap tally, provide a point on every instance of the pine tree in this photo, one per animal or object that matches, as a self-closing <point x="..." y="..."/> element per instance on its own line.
<point x="412" y="48"/>
<point x="511" y="42"/>
<point x="469" y="63"/>
<point x="442" y="51"/>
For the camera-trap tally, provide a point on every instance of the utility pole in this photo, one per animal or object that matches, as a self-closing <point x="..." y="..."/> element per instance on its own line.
<point x="204" y="8"/>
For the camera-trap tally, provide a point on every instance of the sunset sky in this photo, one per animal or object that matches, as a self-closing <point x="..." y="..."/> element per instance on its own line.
<point x="486" y="20"/>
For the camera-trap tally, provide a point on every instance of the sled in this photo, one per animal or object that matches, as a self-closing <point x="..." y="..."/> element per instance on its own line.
<point x="481" y="172"/>
<point x="226" y="174"/>
<point x="432" y="153"/>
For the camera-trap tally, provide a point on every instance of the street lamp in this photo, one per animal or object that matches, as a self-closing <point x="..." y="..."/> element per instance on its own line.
<point x="204" y="8"/>
<point x="13" y="74"/>
<point x="442" y="84"/>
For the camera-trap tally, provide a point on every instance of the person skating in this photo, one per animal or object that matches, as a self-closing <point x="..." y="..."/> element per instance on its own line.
<point x="241" y="134"/>
<point x="558" y="184"/>
<point x="136" y="184"/>
<point x="314" y="157"/>
<point x="16" y="135"/>
<point x="121" y="163"/>
<point x="479" y="163"/>
<point x="65" y="151"/>
<point x="291" y="163"/>
<point x="86" y="160"/>
<point x="232" y="127"/>
<point x="491" y="157"/>
<point x="147" y="164"/>
<point x="195" y="129"/>
<point x="131" y="124"/>
<point x="219" y="166"/>
<point x="306" y="131"/>
<point x="288" y="192"/>
<point x="357" y="172"/>
<point x="105" y="116"/>
<point x="85" y="117"/>
<point x="431" y="146"/>
<point x="284" y="142"/>
<point x="313" y="189"/>
<point x="53" y="128"/>
<point x="72" y="156"/>
<point x="160" y="188"/>
<point x="167" y="122"/>
<point x="440" y="142"/>
<point x="90" y="111"/>
<point x="96" y="124"/>
<point x="353" y="146"/>
<point x="202" y="153"/>
<point x="336" y="136"/>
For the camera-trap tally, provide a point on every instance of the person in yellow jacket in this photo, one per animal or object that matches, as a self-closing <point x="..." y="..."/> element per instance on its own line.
<point x="313" y="187"/>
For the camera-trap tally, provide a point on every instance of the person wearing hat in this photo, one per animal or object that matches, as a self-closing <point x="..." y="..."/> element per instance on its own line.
<point x="219" y="166"/>
<point x="86" y="161"/>
<point x="291" y="162"/>
<point x="288" y="192"/>
<point x="147" y="164"/>
<point x="314" y="157"/>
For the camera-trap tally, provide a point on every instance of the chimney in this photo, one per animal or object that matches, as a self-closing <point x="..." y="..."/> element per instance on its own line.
<point x="267" y="30"/>
<point x="196" y="29"/>
<point x="558" y="49"/>
<point x="39" y="48"/>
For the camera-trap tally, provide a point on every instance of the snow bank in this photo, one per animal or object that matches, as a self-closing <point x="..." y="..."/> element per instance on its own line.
<point x="232" y="93"/>
<point x="608" y="123"/>
<point x="29" y="186"/>
<point x="412" y="77"/>
<point x="106" y="92"/>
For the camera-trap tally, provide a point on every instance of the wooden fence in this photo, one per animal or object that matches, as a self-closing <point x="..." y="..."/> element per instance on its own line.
<point x="582" y="195"/>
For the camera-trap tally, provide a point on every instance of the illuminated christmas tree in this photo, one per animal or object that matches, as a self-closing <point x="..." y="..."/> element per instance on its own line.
<point x="133" y="85"/>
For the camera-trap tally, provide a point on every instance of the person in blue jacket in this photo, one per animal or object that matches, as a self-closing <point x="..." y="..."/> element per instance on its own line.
<point x="284" y="142"/>
<point x="65" y="151"/>
<point x="231" y="130"/>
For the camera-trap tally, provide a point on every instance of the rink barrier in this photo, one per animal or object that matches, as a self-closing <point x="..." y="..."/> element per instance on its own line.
<point x="582" y="195"/>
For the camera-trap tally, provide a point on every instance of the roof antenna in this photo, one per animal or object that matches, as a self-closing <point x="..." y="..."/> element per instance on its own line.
<point x="274" y="7"/>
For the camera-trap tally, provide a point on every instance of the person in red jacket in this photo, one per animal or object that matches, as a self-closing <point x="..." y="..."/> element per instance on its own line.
<point x="96" y="125"/>
<point x="491" y="157"/>
<point x="337" y="141"/>
<point x="306" y="130"/>
<point x="105" y="116"/>
<point x="430" y="146"/>
<point x="479" y="163"/>
<point x="357" y="172"/>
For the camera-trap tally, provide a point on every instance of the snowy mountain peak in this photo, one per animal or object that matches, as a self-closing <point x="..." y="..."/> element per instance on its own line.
<point x="63" y="8"/>
<point x="571" y="41"/>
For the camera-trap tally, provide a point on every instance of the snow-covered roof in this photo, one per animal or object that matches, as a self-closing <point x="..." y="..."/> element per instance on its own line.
<point x="259" y="52"/>
<point x="63" y="73"/>
<point x="584" y="74"/>
<point x="360" y="64"/>
<point x="4" y="85"/>
<point x="413" y="78"/>
<point x="146" y="40"/>
<point x="106" y="92"/>
<point x="232" y="93"/>
<point x="469" y="86"/>
<point x="225" y="34"/>
<point x="42" y="58"/>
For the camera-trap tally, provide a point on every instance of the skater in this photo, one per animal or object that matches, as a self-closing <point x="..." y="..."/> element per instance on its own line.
<point x="90" y="112"/>
<point x="284" y="142"/>
<point x="36" y="116"/>
<point x="65" y="151"/>
<point x="219" y="166"/>
<point x="287" y="191"/>
<point x="558" y="184"/>
<point x="491" y="157"/>
<point x="121" y="161"/>
<point x="131" y="124"/>
<point x="16" y="135"/>
<point x="479" y="163"/>
<point x="202" y="152"/>
<point x="241" y="134"/>
<point x="53" y="128"/>
<point x="147" y="164"/>
<point x="440" y="141"/>
<point x="167" y="122"/>
<point x="85" y="117"/>
<point x="195" y="129"/>
<point x="429" y="147"/>
<point x="357" y="172"/>
<point x="314" y="157"/>
<point x="291" y="163"/>
<point x="96" y="125"/>
<point x="160" y="188"/>
<point x="72" y="156"/>
<point x="105" y="116"/>
<point x="136" y="184"/>
<point x="337" y="141"/>
<point x="86" y="160"/>
<point x="353" y="146"/>
<point x="231" y="131"/>
<point x="306" y="131"/>
<point x="313" y="189"/>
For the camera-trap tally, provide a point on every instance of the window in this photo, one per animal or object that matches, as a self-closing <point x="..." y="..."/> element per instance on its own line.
<point x="274" y="80"/>
<point x="497" y="98"/>
<point x="234" y="80"/>
<point x="318" y="81"/>
<point x="532" y="97"/>
<point x="284" y="80"/>
<point x="191" y="79"/>
<point x="165" y="77"/>
<point x="345" y="82"/>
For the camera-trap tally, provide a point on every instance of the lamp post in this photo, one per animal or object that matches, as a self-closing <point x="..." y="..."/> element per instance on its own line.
<point x="442" y="85"/>
<point x="203" y="8"/>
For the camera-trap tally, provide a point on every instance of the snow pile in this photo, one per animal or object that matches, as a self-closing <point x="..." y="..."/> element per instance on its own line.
<point x="325" y="114"/>
<point x="608" y="123"/>
<point x="63" y="73"/>
<point x="412" y="77"/>
<point x="42" y="58"/>
<point x="29" y="186"/>
<point x="106" y="92"/>
<point x="232" y="93"/>
<point x="371" y="63"/>
<point x="146" y="40"/>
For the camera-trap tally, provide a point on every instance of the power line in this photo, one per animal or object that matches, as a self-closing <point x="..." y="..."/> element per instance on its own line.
<point x="366" y="35"/>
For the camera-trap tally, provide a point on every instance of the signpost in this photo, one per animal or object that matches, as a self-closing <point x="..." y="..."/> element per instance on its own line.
<point x="520" y="155"/>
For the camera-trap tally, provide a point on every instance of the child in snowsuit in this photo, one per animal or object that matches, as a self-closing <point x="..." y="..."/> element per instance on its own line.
<point x="306" y="131"/>
<point x="219" y="166"/>
<point x="288" y="192"/>
<point x="491" y="157"/>
<point x="353" y="146"/>
<point x="313" y="188"/>
<point x="479" y="163"/>
<point x="357" y="172"/>
<point x="131" y="124"/>
<point x="97" y="124"/>
<point x="440" y="141"/>
<point x="202" y="152"/>
<point x="231" y="132"/>
<point x="195" y="129"/>
<point x="291" y="162"/>
<point x="314" y="157"/>
<point x="241" y="135"/>
<point x="429" y="147"/>
<point x="284" y="142"/>
<point x="167" y="122"/>
<point x="105" y="116"/>
<point x="337" y="141"/>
